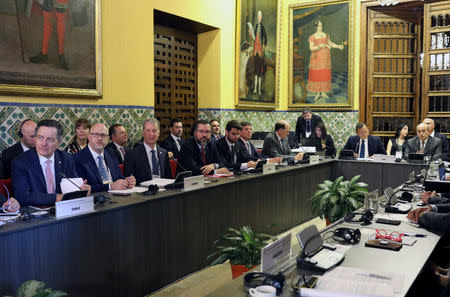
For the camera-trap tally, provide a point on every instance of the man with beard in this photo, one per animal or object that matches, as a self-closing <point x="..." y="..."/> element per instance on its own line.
<point x="199" y="155"/>
<point x="173" y="142"/>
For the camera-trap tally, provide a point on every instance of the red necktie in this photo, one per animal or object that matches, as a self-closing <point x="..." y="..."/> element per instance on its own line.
<point x="203" y="156"/>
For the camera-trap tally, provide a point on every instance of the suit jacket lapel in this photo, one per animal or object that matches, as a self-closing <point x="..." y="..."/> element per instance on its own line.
<point x="162" y="159"/>
<point x="91" y="165"/>
<point x="58" y="169"/>
<point x="278" y="142"/>
<point x="145" y="160"/>
<point x="37" y="170"/>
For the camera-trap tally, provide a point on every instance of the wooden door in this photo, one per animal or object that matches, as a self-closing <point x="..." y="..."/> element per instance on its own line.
<point x="393" y="70"/>
<point x="175" y="55"/>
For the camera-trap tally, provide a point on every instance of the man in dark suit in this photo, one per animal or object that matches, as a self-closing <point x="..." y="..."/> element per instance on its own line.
<point x="442" y="137"/>
<point x="215" y="130"/>
<point x="363" y="144"/>
<point x="26" y="133"/>
<point x="148" y="160"/>
<point x="173" y="142"/>
<point x="423" y="143"/>
<point x="119" y="138"/>
<point x="99" y="166"/>
<point x="306" y="124"/>
<point x="276" y="143"/>
<point x="199" y="154"/>
<point x="233" y="152"/>
<point x="244" y="139"/>
<point x="37" y="173"/>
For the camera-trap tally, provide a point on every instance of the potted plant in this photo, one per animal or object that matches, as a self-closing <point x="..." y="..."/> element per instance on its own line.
<point x="336" y="198"/>
<point x="242" y="247"/>
<point x="34" y="288"/>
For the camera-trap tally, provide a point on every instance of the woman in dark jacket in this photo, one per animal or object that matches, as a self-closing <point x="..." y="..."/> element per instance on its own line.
<point x="326" y="140"/>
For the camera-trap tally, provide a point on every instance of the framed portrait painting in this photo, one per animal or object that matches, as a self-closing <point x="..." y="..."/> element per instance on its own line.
<point x="321" y="55"/>
<point x="51" y="48"/>
<point x="257" y="53"/>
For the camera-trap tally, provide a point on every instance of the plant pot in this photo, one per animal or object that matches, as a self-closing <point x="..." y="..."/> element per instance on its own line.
<point x="238" y="270"/>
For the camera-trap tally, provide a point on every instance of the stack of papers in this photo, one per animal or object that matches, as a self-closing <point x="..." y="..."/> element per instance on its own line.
<point x="347" y="281"/>
<point x="160" y="182"/>
<point x="129" y="191"/>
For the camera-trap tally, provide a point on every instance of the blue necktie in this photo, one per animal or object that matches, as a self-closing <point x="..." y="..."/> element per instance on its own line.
<point x="308" y="126"/>
<point x="363" y="149"/>
<point x="155" y="168"/>
<point x="102" y="169"/>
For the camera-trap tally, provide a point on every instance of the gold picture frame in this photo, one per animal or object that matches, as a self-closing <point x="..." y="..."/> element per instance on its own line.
<point x="321" y="55"/>
<point x="65" y="62"/>
<point x="257" y="75"/>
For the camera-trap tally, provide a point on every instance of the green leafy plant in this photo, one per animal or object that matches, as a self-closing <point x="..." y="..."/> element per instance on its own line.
<point x="34" y="288"/>
<point x="336" y="198"/>
<point x="241" y="247"/>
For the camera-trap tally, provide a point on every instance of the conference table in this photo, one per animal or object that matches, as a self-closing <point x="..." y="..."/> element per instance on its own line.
<point x="403" y="266"/>
<point x="136" y="244"/>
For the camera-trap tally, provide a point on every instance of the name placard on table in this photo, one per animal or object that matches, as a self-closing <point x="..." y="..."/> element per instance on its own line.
<point x="74" y="206"/>
<point x="269" y="168"/>
<point x="194" y="182"/>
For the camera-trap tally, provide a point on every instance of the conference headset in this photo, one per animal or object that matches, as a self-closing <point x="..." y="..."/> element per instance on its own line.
<point x="365" y="218"/>
<point x="347" y="235"/>
<point x="19" y="133"/>
<point x="255" y="279"/>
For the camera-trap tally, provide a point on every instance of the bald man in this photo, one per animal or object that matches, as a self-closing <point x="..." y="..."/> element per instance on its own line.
<point x="276" y="143"/>
<point x="26" y="134"/>
<point x="431" y="126"/>
<point x="424" y="144"/>
<point x="99" y="166"/>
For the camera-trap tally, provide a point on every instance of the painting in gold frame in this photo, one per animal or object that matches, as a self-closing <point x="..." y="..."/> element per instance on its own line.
<point x="321" y="54"/>
<point x="257" y="53"/>
<point x="51" y="48"/>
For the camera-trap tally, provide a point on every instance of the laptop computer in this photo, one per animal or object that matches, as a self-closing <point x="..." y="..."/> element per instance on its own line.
<point x="415" y="158"/>
<point x="314" y="142"/>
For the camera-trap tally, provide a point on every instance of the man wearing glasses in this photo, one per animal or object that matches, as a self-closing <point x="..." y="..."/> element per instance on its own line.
<point x="37" y="173"/>
<point x="148" y="160"/>
<point x="199" y="154"/>
<point x="99" y="166"/>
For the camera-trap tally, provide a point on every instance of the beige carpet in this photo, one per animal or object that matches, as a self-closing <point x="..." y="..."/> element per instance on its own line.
<point x="210" y="278"/>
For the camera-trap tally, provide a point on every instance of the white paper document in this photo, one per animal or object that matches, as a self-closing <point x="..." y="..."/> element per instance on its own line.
<point x="392" y="216"/>
<point x="160" y="182"/>
<point x="68" y="186"/>
<point x="304" y="149"/>
<point x="347" y="281"/>
<point x="129" y="191"/>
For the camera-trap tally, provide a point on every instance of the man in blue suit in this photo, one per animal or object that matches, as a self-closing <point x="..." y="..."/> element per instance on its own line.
<point x="99" y="166"/>
<point x="148" y="160"/>
<point x="37" y="173"/>
<point x="363" y="144"/>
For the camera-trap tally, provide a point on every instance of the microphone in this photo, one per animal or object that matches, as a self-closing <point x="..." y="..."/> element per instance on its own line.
<point x="63" y="175"/>
<point x="178" y="164"/>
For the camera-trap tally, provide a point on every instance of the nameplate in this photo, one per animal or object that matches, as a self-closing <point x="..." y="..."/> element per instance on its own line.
<point x="384" y="158"/>
<point x="276" y="253"/>
<point x="74" y="206"/>
<point x="314" y="159"/>
<point x="194" y="182"/>
<point x="269" y="168"/>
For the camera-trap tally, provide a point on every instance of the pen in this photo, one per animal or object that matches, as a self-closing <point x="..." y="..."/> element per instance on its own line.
<point x="415" y="235"/>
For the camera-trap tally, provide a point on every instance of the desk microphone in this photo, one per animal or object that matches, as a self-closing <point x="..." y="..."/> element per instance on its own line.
<point x="63" y="175"/>
<point x="357" y="148"/>
<point x="179" y="164"/>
